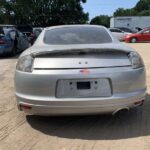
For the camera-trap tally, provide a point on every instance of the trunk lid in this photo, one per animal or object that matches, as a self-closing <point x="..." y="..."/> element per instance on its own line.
<point x="77" y="59"/>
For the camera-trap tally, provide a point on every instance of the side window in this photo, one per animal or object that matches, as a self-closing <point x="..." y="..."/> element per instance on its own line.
<point x="112" y="30"/>
<point x="12" y="35"/>
<point x="115" y="30"/>
<point x="146" y="32"/>
<point x="118" y="31"/>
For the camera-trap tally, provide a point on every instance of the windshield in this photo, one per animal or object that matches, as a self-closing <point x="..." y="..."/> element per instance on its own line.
<point x="1" y="31"/>
<point x="144" y="30"/>
<point x="77" y="35"/>
<point x="140" y="31"/>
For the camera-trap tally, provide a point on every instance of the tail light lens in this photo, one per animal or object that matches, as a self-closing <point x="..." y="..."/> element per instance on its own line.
<point x="136" y="60"/>
<point x="25" y="63"/>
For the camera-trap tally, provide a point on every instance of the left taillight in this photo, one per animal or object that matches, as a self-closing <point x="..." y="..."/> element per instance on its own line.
<point x="25" y="63"/>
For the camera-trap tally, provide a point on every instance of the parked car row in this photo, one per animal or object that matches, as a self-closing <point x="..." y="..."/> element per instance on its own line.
<point x="31" y="33"/>
<point x="14" y="39"/>
<point x="141" y="36"/>
<point x="127" y="35"/>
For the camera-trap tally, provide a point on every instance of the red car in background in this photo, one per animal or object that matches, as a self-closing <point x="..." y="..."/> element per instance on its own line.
<point x="141" y="36"/>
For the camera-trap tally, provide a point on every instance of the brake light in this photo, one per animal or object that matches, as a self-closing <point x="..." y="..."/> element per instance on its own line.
<point x="2" y="41"/>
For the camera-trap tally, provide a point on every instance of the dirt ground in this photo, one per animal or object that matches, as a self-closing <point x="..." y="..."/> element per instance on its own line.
<point x="127" y="131"/>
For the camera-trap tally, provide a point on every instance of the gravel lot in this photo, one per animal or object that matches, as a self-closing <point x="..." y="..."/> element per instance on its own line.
<point x="127" y="131"/>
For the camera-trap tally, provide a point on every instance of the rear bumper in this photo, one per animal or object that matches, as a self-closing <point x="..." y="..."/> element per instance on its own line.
<point x="81" y="106"/>
<point x="38" y="90"/>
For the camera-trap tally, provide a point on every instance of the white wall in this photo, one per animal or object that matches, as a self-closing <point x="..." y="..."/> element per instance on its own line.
<point x="130" y="22"/>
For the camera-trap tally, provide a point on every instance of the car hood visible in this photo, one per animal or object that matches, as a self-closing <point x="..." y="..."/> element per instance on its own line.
<point x="99" y="47"/>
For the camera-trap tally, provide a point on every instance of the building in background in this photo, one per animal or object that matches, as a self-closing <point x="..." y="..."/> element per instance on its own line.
<point x="131" y="22"/>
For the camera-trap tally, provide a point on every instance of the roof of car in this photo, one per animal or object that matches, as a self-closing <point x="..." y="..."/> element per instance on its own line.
<point x="76" y="25"/>
<point x="115" y="28"/>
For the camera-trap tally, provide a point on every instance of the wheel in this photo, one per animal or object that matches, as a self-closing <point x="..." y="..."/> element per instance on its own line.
<point x="133" y="40"/>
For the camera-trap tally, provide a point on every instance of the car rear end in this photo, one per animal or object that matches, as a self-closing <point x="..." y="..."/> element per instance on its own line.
<point x="80" y="83"/>
<point x="79" y="70"/>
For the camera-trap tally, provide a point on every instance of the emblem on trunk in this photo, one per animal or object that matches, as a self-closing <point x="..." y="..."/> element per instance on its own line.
<point x="85" y="71"/>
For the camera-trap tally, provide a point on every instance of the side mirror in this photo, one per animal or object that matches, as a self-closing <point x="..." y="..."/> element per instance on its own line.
<point x="12" y="35"/>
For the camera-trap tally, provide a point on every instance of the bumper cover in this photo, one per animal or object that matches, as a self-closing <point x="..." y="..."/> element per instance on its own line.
<point x="38" y="90"/>
<point x="81" y="106"/>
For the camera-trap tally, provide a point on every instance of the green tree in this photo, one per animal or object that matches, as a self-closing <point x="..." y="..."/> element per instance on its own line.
<point x="142" y="8"/>
<point x="5" y="11"/>
<point x="125" y="12"/>
<point x="101" y="20"/>
<point x="142" y="5"/>
<point x="46" y="12"/>
<point x="144" y="13"/>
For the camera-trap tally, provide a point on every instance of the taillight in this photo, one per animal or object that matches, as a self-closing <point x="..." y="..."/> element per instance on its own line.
<point x="2" y="41"/>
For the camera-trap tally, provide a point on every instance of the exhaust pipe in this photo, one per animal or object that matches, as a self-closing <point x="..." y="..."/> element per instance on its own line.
<point x="24" y="106"/>
<point x="125" y="109"/>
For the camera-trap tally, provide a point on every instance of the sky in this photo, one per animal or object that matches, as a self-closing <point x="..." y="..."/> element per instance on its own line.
<point x="106" y="7"/>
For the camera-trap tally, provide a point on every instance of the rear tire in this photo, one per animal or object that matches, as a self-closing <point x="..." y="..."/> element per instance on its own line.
<point x="133" y="40"/>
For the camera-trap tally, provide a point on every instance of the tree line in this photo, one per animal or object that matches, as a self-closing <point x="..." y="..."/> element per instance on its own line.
<point x="42" y="12"/>
<point x="56" y="12"/>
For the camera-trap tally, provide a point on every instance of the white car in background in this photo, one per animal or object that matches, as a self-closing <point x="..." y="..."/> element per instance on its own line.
<point x="118" y="33"/>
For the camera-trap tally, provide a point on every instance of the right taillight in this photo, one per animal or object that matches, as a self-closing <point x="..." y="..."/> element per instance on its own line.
<point x="136" y="60"/>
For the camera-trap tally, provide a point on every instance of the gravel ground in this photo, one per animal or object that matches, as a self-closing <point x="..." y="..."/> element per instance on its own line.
<point x="127" y="131"/>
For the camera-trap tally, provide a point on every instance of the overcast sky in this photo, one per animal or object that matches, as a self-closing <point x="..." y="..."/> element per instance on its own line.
<point x="106" y="7"/>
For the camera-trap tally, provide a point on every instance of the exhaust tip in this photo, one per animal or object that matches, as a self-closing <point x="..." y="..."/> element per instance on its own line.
<point x="125" y="109"/>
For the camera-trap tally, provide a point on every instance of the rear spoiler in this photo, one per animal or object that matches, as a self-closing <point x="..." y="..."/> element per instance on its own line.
<point x="76" y="51"/>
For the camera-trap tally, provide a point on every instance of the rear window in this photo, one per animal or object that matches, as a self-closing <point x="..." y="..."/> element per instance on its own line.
<point x="77" y="35"/>
<point x="1" y="31"/>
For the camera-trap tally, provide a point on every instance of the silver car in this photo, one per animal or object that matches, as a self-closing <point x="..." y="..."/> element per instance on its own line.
<point x="79" y="69"/>
<point x="118" y="33"/>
